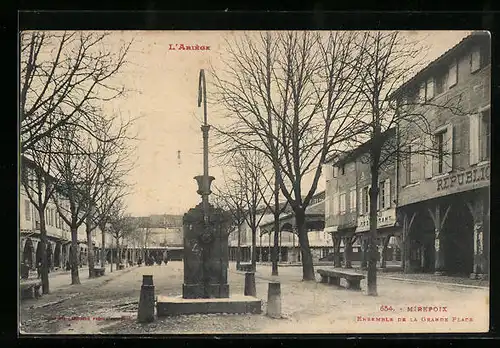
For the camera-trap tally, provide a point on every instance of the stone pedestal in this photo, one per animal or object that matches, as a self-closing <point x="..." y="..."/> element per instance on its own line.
<point x="206" y="256"/>
<point x="250" y="289"/>
<point x="147" y="300"/>
<point x="274" y="300"/>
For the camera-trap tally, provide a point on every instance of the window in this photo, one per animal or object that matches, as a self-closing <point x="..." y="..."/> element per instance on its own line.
<point x="475" y="60"/>
<point x="352" y="199"/>
<point x="426" y="91"/>
<point x="479" y="58"/>
<point x="328" y="172"/>
<point x="439" y="83"/>
<point x="335" y="205"/>
<point x="412" y="164"/>
<point x="335" y="172"/>
<point x="342" y="203"/>
<point x="27" y="210"/>
<point x="381" y="195"/>
<point x="366" y="199"/>
<point x="485" y="135"/>
<point x="342" y="170"/>
<point x="453" y="74"/>
<point x="421" y="94"/>
<point x="408" y="166"/>
<point x="440" y="150"/>
<point x="430" y="89"/>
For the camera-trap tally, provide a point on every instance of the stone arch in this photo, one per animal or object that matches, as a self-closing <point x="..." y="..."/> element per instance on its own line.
<point x="57" y="254"/>
<point x="50" y="254"/>
<point x="38" y="257"/>
<point x="458" y="240"/>
<point x="28" y="252"/>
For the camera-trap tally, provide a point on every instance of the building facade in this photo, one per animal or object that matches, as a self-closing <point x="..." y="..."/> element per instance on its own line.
<point x="443" y="196"/>
<point x="347" y="207"/>
<point x="288" y="241"/>
<point x="58" y="232"/>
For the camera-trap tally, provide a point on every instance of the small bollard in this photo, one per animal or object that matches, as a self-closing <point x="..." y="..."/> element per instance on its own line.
<point x="274" y="300"/>
<point x="250" y="284"/>
<point x="146" y="312"/>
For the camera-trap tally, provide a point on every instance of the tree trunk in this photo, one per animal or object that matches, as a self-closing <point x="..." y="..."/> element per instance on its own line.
<point x="336" y="251"/>
<point x="45" y="265"/>
<point x="90" y="253"/>
<point x="274" y="267"/>
<point x="103" y="250"/>
<point x="238" y="251"/>
<point x="307" y="262"/>
<point x="254" y="248"/>
<point x="275" y="250"/>
<point x="372" y="239"/>
<point x="364" y="251"/>
<point x="118" y="256"/>
<point x="75" y="278"/>
<point x="111" y="256"/>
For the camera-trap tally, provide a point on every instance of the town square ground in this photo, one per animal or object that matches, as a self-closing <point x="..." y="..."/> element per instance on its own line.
<point x="108" y="305"/>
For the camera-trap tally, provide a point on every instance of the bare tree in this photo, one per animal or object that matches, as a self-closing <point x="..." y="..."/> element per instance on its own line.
<point x="249" y="188"/>
<point x="231" y="198"/>
<point x="145" y="229"/>
<point x="113" y="163"/>
<point x="292" y="96"/>
<point x="64" y="76"/>
<point x="389" y="59"/>
<point x="39" y="180"/>
<point x="121" y="225"/>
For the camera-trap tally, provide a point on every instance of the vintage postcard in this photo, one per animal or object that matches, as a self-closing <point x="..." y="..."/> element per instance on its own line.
<point x="233" y="182"/>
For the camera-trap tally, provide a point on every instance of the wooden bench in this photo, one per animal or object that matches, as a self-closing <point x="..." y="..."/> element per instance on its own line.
<point x="30" y="288"/>
<point x="99" y="271"/>
<point x="333" y="276"/>
<point x="246" y="267"/>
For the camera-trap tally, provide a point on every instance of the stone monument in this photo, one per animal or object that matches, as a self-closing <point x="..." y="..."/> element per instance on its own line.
<point x="205" y="288"/>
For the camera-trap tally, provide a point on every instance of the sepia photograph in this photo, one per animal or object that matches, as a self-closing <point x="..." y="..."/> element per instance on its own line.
<point x="248" y="182"/>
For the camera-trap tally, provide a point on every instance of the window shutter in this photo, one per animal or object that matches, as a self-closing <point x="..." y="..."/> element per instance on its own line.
<point x="387" y="191"/>
<point x="428" y="157"/>
<point x="448" y="157"/>
<point x="415" y="163"/>
<point x="403" y="169"/>
<point x="430" y="89"/>
<point x="368" y="198"/>
<point x="335" y="204"/>
<point x="421" y="93"/>
<point x="328" y="171"/>
<point x="327" y="208"/>
<point x="452" y="74"/>
<point x="353" y="199"/>
<point x="378" y="195"/>
<point x="475" y="60"/>
<point x="360" y="202"/>
<point x="474" y="138"/>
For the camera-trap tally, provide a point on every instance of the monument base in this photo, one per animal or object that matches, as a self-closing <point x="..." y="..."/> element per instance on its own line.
<point x="198" y="291"/>
<point x="237" y="304"/>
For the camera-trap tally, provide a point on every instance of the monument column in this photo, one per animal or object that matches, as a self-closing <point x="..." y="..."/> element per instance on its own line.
<point x="205" y="239"/>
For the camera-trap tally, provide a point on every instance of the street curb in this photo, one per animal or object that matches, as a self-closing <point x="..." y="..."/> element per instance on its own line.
<point x="415" y="281"/>
<point x="436" y="283"/>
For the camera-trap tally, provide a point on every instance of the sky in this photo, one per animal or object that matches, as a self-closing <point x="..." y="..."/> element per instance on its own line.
<point x="163" y="92"/>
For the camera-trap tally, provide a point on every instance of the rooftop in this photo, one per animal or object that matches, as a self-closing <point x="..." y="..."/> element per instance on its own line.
<point x="444" y="59"/>
<point x="362" y="149"/>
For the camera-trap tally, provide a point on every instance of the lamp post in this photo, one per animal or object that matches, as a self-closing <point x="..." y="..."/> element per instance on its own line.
<point x="204" y="181"/>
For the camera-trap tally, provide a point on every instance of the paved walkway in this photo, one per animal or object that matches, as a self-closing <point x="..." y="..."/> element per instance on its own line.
<point x="62" y="279"/>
